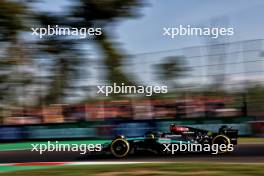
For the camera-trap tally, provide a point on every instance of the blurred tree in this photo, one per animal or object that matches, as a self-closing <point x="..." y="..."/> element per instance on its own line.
<point x="169" y="70"/>
<point x="12" y="15"/>
<point x="254" y="99"/>
<point x="64" y="55"/>
<point x="13" y="75"/>
<point x="65" y="62"/>
<point x="94" y="13"/>
<point x="64" y="68"/>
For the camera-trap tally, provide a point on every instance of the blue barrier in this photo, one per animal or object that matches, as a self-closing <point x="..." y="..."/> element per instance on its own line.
<point x="11" y="133"/>
<point x="133" y="129"/>
<point x="103" y="130"/>
<point x="60" y="133"/>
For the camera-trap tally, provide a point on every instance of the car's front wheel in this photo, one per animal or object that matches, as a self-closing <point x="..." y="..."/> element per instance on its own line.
<point x="221" y="140"/>
<point x="120" y="147"/>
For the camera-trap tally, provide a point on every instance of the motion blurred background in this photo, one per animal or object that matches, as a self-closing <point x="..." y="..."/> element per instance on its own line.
<point x="48" y="86"/>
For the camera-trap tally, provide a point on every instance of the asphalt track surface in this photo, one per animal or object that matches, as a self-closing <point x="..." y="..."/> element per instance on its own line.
<point x="244" y="153"/>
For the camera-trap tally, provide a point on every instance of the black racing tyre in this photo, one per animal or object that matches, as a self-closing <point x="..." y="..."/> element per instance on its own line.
<point x="120" y="147"/>
<point x="221" y="139"/>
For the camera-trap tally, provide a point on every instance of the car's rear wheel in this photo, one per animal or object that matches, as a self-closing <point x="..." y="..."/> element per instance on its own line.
<point x="221" y="139"/>
<point x="120" y="147"/>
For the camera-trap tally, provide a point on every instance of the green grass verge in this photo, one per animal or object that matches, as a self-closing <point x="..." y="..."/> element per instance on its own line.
<point x="163" y="169"/>
<point x="27" y="145"/>
<point x="250" y="140"/>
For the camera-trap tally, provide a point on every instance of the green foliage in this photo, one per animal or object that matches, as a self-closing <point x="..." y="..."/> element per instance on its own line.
<point x="93" y="13"/>
<point x="170" y="69"/>
<point x="12" y="19"/>
<point x="255" y="100"/>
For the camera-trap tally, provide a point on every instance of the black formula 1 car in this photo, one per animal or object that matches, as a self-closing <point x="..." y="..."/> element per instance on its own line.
<point x="165" y="142"/>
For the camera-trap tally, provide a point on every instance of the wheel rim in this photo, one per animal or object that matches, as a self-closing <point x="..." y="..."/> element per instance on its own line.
<point x="120" y="147"/>
<point x="221" y="139"/>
